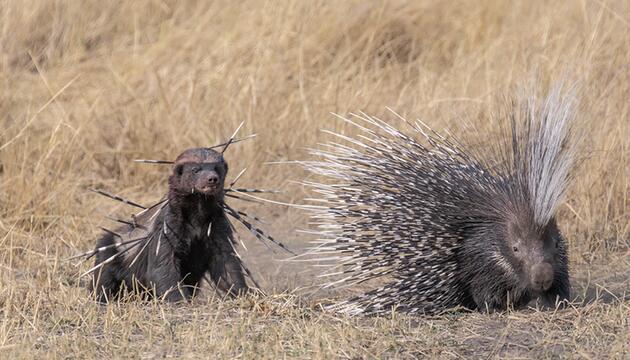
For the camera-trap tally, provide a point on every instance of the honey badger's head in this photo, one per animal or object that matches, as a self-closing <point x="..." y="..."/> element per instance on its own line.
<point x="199" y="171"/>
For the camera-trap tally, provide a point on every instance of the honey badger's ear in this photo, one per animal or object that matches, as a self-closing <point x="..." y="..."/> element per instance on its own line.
<point x="225" y="167"/>
<point x="178" y="170"/>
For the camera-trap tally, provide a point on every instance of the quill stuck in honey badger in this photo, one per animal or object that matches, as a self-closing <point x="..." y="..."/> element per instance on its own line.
<point x="166" y="250"/>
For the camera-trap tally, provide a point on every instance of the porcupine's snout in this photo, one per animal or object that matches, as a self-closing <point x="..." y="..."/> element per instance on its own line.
<point x="541" y="276"/>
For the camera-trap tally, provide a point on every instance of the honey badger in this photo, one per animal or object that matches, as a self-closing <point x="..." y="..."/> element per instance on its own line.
<point x="171" y="246"/>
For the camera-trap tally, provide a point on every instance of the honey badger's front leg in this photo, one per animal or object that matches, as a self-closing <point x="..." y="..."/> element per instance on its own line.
<point x="226" y="269"/>
<point x="166" y="279"/>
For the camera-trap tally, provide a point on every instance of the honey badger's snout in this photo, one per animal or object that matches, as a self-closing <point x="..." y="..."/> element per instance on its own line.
<point x="208" y="178"/>
<point x="209" y="182"/>
<point x="541" y="276"/>
<point x="213" y="179"/>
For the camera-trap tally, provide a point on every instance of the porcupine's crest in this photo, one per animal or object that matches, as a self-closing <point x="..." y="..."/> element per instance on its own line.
<point x="391" y="205"/>
<point x="542" y="150"/>
<point x="135" y="245"/>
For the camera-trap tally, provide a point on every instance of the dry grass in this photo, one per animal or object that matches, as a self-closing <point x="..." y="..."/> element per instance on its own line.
<point x="87" y="86"/>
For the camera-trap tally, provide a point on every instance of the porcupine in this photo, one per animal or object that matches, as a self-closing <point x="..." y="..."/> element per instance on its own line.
<point x="449" y="228"/>
<point x="168" y="248"/>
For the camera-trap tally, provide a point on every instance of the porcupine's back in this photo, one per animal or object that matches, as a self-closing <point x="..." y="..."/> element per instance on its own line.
<point x="431" y="216"/>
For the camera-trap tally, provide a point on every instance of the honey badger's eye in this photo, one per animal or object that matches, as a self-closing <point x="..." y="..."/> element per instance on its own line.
<point x="196" y="169"/>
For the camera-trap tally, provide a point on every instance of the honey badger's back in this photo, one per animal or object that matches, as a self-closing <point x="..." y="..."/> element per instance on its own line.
<point x="185" y="237"/>
<point x="123" y="262"/>
<point x="434" y="217"/>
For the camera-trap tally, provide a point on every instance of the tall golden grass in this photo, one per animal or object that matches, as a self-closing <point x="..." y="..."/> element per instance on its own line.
<point x="85" y="87"/>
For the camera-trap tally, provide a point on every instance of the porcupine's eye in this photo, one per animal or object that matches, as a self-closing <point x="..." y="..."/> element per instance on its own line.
<point x="515" y="248"/>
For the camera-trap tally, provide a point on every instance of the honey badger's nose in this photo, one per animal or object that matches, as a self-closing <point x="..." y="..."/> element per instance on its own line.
<point x="542" y="276"/>
<point x="213" y="179"/>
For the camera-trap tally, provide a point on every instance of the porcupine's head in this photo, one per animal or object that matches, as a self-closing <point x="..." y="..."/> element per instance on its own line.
<point x="198" y="172"/>
<point x="534" y="253"/>
<point x="538" y="160"/>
